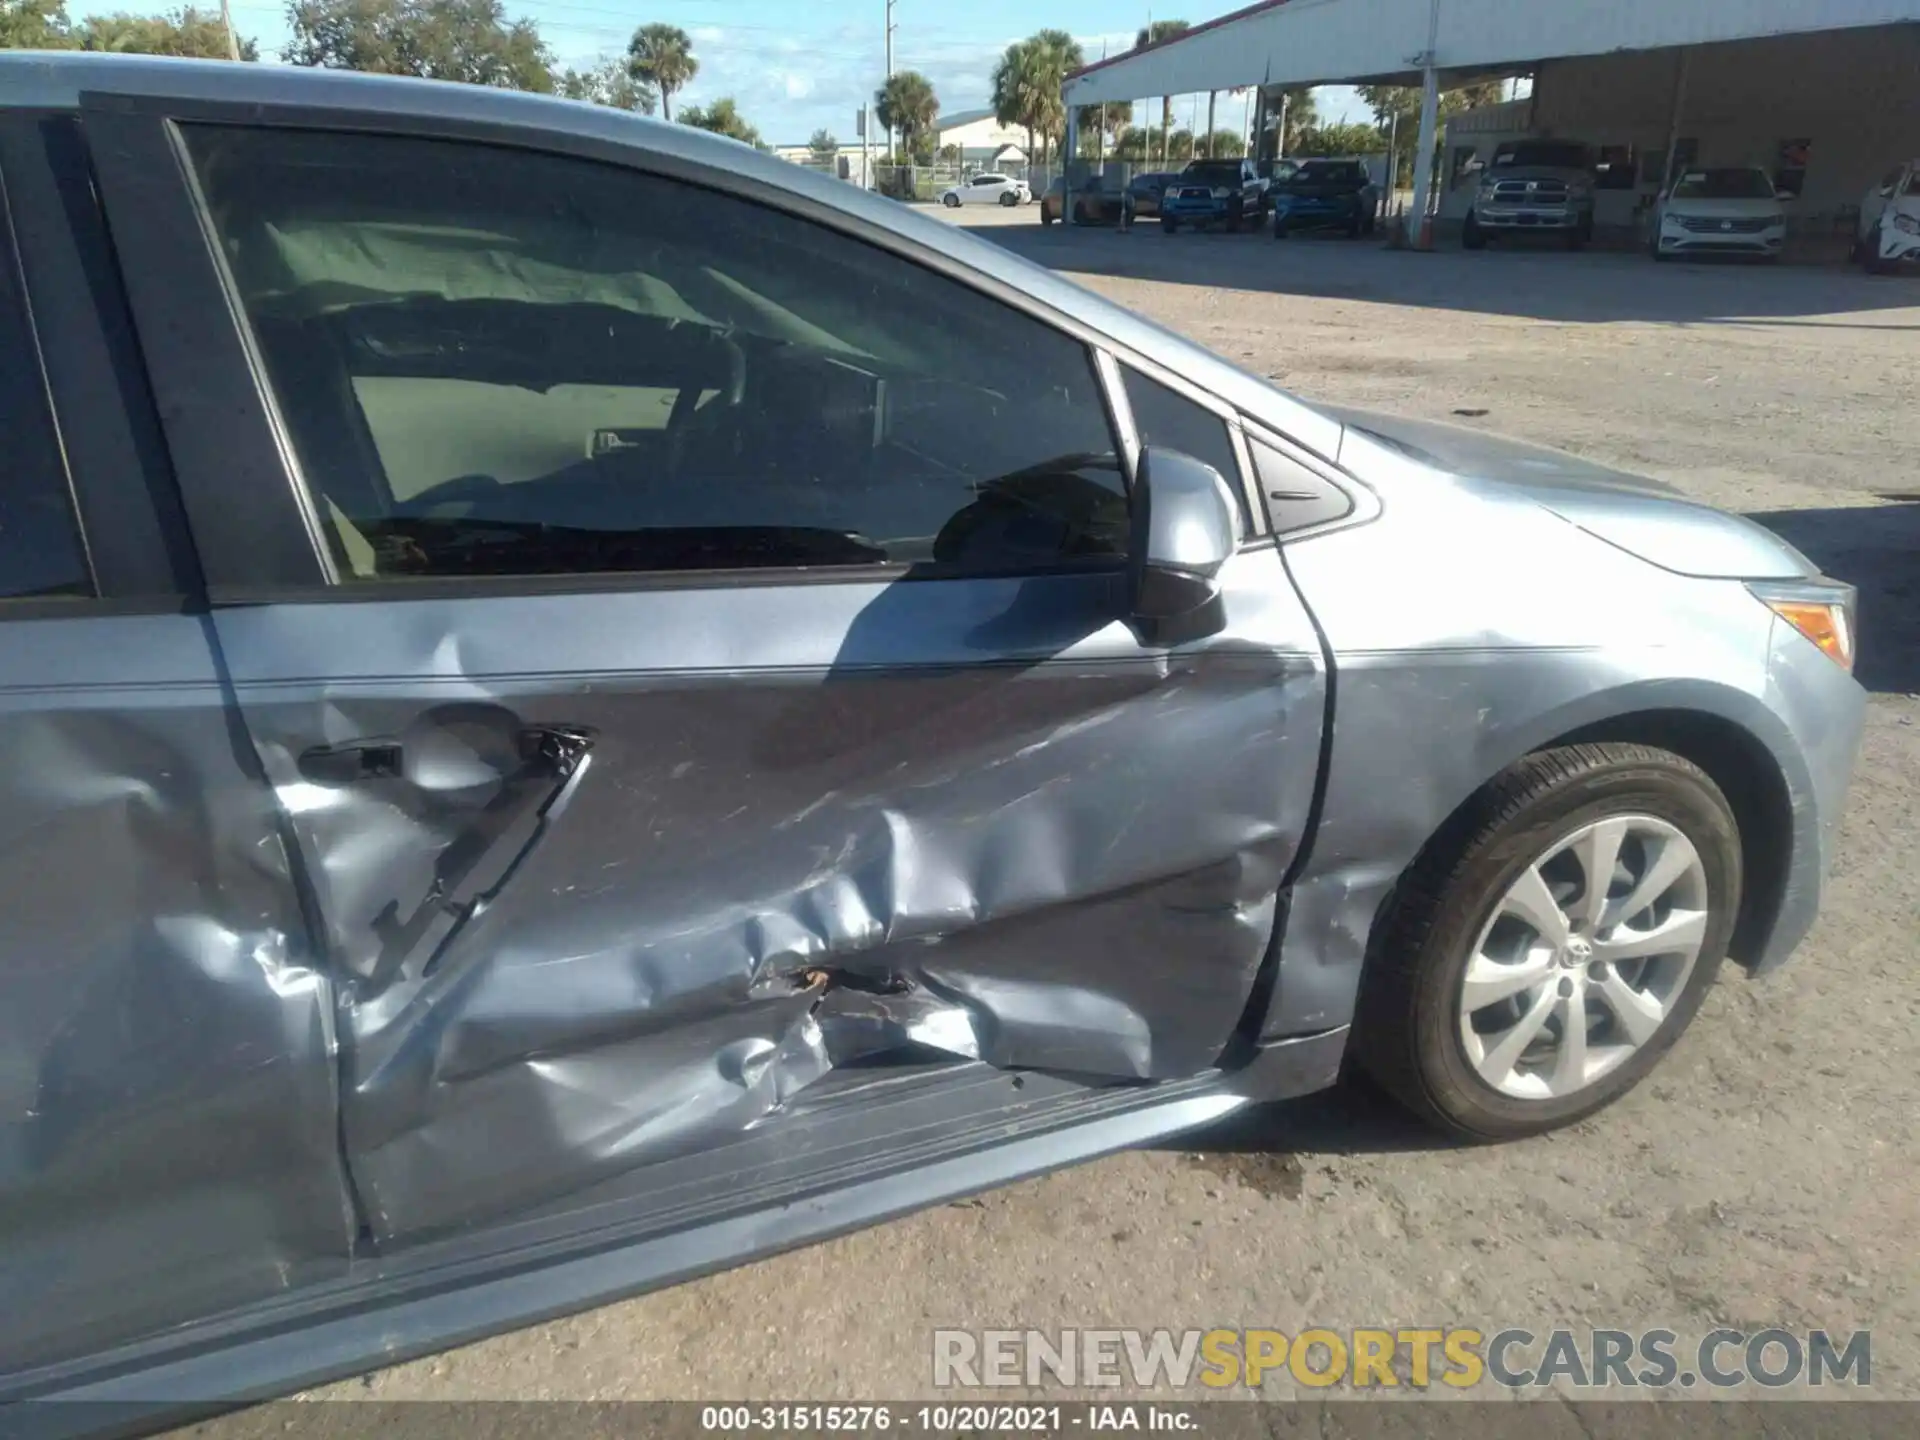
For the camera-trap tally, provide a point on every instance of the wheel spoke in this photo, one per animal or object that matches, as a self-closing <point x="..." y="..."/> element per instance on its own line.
<point x="1489" y="981"/>
<point x="1570" y="1063"/>
<point x="1533" y="902"/>
<point x="1639" y="1013"/>
<point x="1674" y="858"/>
<point x="1598" y="851"/>
<point x="1500" y="1059"/>
<point x="1679" y="934"/>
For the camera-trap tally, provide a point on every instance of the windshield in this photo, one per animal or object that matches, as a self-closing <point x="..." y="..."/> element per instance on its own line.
<point x="1325" y="172"/>
<point x="1218" y="171"/>
<point x="1742" y="184"/>
<point x="1542" y="154"/>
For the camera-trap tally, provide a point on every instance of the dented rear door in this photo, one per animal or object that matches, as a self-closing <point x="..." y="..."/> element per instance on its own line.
<point x="792" y="722"/>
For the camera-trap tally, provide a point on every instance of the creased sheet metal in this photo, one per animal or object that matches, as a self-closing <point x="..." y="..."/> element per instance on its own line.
<point x="168" y="1142"/>
<point x="1000" y="827"/>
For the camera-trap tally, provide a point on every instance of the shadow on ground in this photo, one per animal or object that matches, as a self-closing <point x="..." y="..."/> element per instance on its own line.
<point x="1260" y="1147"/>
<point x="1535" y="282"/>
<point x="1875" y="548"/>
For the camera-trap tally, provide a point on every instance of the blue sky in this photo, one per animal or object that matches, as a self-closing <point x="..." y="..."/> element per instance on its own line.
<point x="794" y="68"/>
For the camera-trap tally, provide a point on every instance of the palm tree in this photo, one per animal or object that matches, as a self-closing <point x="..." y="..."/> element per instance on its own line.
<point x="662" y="56"/>
<point x="1026" y="86"/>
<point x="907" y="106"/>
<point x="1153" y="34"/>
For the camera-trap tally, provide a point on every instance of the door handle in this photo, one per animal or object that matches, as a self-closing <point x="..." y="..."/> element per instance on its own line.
<point x="356" y="761"/>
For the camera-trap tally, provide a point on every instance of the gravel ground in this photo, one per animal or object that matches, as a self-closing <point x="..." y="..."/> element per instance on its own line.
<point x="1765" y="1176"/>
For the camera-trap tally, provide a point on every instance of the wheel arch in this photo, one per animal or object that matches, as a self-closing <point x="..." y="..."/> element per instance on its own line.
<point x="1337" y="904"/>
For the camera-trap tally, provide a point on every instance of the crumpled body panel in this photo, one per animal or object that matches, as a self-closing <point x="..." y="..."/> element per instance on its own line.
<point x="167" y="1125"/>
<point x="616" y="876"/>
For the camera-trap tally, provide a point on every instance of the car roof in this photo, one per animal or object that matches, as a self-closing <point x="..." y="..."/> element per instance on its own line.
<point x="56" y="80"/>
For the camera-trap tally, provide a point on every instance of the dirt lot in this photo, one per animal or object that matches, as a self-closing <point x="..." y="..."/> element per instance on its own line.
<point x="1766" y="1176"/>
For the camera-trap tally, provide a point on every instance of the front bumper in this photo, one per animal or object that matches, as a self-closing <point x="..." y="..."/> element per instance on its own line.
<point x="1309" y="213"/>
<point x="1824" y="710"/>
<point x="1517" y="217"/>
<point x="1897" y="247"/>
<point x="1675" y="240"/>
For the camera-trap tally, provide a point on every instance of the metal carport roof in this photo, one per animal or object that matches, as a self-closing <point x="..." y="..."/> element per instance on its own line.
<point x="1303" y="42"/>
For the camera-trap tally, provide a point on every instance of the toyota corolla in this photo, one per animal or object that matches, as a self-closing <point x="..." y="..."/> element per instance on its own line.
<point x="583" y="705"/>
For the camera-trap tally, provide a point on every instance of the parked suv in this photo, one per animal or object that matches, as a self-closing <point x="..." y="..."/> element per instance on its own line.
<point x="1214" y="192"/>
<point x="1888" y="236"/>
<point x="1325" y="194"/>
<point x="1535" y="185"/>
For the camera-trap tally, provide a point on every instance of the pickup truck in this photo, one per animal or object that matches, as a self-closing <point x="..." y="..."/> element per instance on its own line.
<point x="1534" y="187"/>
<point x="1228" y="193"/>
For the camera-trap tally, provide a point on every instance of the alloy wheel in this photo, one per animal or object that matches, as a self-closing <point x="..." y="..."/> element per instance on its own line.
<point x="1583" y="957"/>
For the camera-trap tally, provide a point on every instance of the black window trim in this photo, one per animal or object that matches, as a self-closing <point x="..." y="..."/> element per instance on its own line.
<point x="14" y="297"/>
<point x="128" y="509"/>
<point x="175" y="269"/>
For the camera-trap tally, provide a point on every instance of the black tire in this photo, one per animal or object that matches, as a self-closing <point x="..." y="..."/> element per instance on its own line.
<point x="1281" y="229"/>
<point x="1009" y="199"/>
<point x="1167" y="227"/>
<point x="1473" y="237"/>
<point x="952" y="202"/>
<point x="1406" y="1029"/>
<point x="1045" y="218"/>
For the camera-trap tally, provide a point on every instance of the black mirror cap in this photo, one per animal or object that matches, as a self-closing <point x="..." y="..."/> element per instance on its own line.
<point x="1185" y="526"/>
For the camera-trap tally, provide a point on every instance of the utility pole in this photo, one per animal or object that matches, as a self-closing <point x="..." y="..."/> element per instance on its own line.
<point x="226" y="19"/>
<point x="890" y="28"/>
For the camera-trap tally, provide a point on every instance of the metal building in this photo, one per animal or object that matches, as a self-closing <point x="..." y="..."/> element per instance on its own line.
<point x="1825" y="93"/>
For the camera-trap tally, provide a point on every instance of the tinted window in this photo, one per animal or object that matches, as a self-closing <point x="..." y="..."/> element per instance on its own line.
<point x="1546" y="155"/>
<point x="40" y="550"/>
<point x="1724" y="185"/>
<point x="1169" y="420"/>
<point x="497" y="362"/>
<point x="1913" y="183"/>
<point x="1218" y="172"/>
<point x="1326" y="172"/>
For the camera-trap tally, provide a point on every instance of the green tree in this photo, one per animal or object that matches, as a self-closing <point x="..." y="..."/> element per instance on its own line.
<point x="1399" y="105"/>
<point x="1109" y="119"/>
<point x="608" y="83"/>
<point x="662" y="56"/>
<point x="722" y="117"/>
<point x="35" y="25"/>
<point x="191" y="33"/>
<point x="907" y="106"/>
<point x="1224" y="144"/>
<point x="1156" y="33"/>
<point x="466" y="40"/>
<point x="823" y="146"/>
<point x="1027" y="82"/>
<point x="1338" y="139"/>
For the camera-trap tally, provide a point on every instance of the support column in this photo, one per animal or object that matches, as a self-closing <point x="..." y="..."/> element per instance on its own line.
<point x="1066" y="166"/>
<point x="1673" y="118"/>
<point x="1418" y="234"/>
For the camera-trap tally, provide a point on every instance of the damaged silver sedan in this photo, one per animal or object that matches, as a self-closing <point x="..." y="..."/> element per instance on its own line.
<point x="583" y="705"/>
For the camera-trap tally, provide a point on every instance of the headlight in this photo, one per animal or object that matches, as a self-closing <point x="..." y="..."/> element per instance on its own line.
<point x="1907" y="223"/>
<point x="1821" y="610"/>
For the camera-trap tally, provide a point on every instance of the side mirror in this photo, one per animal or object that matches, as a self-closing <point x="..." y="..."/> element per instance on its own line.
<point x="1185" y="527"/>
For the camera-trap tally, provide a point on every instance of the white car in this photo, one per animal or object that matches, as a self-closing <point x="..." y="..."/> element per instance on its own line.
<point x="988" y="190"/>
<point x="1732" y="211"/>
<point x="1889" y="233"/>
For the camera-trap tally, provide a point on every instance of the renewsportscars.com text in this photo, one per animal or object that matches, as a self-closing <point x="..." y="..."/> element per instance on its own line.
<point x="1409" y="1357"/>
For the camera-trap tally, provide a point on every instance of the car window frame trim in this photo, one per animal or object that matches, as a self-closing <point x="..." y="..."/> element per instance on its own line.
<point x="152" y="124"/>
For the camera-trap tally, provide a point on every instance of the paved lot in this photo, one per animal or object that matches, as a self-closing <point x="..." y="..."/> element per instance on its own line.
<point x="1766" y="1175"/>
